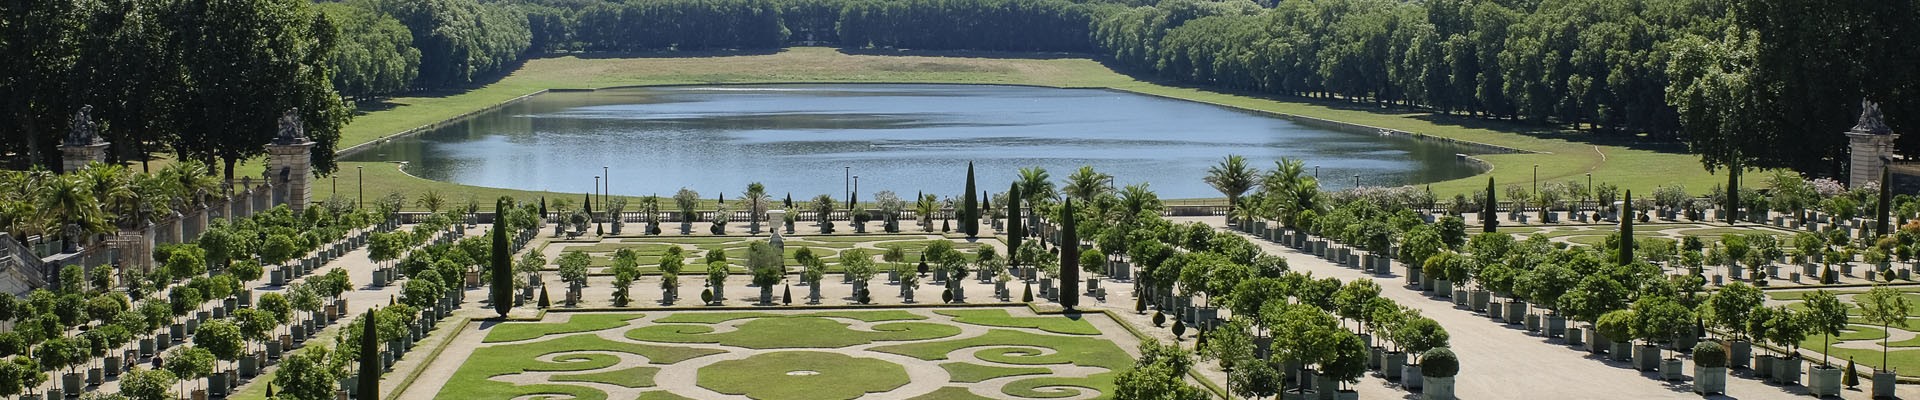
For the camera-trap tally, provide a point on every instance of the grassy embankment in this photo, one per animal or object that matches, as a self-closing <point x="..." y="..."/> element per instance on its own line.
<point x="1640" y="168"/>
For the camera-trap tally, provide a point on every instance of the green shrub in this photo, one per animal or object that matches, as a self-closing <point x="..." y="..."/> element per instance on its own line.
<point x="1710" y="355"/>
<point x="1439" y="362"/>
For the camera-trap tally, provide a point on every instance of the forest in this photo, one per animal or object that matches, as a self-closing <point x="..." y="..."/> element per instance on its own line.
<point x="1753" y="83"/>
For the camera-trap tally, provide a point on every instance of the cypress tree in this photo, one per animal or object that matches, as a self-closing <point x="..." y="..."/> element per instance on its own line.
<point x="789" y="200"/>
<point x="543" y="207"/>
<point x="1013" y="225"/>
<point x="502" y="266"/>
<point x="1069" y="258"/>
<point x="586" y="202"/>
<point x="544" y="303"/>
<point x="369" y="357"/>
<point x="1881" y="213"/>
<point x="1626" y="229"/>
<point x="1489" y="219"/>
<point x="970" y="208"/>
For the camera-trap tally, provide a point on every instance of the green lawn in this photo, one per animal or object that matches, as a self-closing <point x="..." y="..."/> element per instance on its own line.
<point x="1000" y="318"/>
<point x="808" y="355"/>
<point x="803" y="375"/>
<point x="788" y="332"/>
<point x="1561" y="155"/>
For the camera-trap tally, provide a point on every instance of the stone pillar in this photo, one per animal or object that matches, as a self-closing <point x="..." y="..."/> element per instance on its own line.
<point x="1871" y="144"/>
<point x="290" y="163"/>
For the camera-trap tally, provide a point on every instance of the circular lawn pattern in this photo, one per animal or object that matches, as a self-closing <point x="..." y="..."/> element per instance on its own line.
<point x="803" y="375"/>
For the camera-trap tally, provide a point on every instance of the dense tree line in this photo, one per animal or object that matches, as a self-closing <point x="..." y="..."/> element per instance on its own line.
<point x="207" y="80"/>
<point x="1768" y="83"/>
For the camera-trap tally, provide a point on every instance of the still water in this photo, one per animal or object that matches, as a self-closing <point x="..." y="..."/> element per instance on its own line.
<point x="804" y="140"/>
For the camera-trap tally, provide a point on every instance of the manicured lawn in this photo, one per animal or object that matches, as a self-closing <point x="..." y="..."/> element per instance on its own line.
<point x="517" y="331"/>
<point x="787" y="332"/>
<point x="970" y="373"/>
<point x="1561" y="155"/>
<point x="636" y="377"/>
<point x="471" y="381"/>
<point x="803" y="375"/>
<point x="1000" y="318"/>
<point x="806" y="355"/>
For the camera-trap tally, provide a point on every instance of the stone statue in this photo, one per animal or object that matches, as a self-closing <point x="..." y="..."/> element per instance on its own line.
<point x="84" y="132"/>
<point x="292" y="131"/>
<point x="1871" y="119"/>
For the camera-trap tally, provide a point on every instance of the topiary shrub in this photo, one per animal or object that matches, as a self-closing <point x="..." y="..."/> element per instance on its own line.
<point x="786" y="295"/>
<point x="866" y="296"/>
<point x="1026" y="296"/>
<point x="1616" y="325"/>
<point x="1710" y="355"/>
<point x="1159" y="319"/>
<point x="1179" y="329"/>
<point x="1139" y="305"/>
<point x="946" y="296"/>
<point x="706" y="296"/>
<point x="1439" y="362"/>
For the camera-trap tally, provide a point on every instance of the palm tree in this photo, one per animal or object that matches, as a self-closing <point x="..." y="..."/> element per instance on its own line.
<point x="112" y="188"/>
<point x="823" y="208"/>
<point x="1289" y="191"/>
<point x="1036" y="185"/>
<point x="1136" y="198"/>
<point x="757" y="200"/>
<point x="1232" y="178"/>
<point x="70" y="209"/>
<point x="1086" y="184"/>
<point x="431" y="201"/>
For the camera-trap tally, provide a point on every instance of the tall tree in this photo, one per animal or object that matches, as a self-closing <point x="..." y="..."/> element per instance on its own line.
<point x="500" y="261"/>
<point x="970" y="208"/>
<point x="1069" y="257"/>
<point x="1489" y="216"/>
<point x="1626" y="229"/>
<point x="1014" y="231"/>
<point x="250" y="62"/>
<point x="39" y="40"/>
<point x="370" y="356"/>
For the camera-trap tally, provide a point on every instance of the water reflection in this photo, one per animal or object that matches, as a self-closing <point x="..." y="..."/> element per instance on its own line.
<point x="905" y="138"/>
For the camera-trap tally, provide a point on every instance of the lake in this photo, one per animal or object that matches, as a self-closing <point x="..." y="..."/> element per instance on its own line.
<point x="801" y="139"/>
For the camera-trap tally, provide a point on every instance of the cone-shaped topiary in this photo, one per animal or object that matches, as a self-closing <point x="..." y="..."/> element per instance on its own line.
<point x="1852" y="379"/>
<point x="1710" y="354"/>
<point x="1439" y="362"/>
<point x="1179" y="329"/>
<point x="706" y="296"/>
<point x="369" y="357"/>
<point x="500" y="262"/>
<point x="544" y="303"/>
<point x="1488" y="220"/>
<point x="1159" y="319"/>
<point x="1139" y="304"/>
<point x="970" y="208"/>
<point x="1026" y="295"/>
<point x="786" y="296"/>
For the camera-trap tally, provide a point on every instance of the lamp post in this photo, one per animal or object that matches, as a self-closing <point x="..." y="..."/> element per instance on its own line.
<point x="608" y="191"/>
<point x="846" y="183"/>
<point x="1536" y="179"/>
<point x="1316" y="172"/>
<point x="590" y="200"/>
<point x="856" y="192"/>
<point x="1356" y="180"/>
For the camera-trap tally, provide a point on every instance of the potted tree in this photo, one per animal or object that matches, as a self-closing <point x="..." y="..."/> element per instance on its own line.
<point x="1888" y="307"/>
<point x="1617" y="327"/>
<point x="221" y="339"/>
<point x="1344" y="363"/>
<point x="1437" y="368"/>
<point x="190" y="364"/>
<point x="687" y="200"/>
<point x="1731" y="310"/>
<point x="908" y="282"/>
<point x="1416" y="337"/>
<point x="766" y="263"/>
<point x="717" y="282"/>
<point x="1786" y="328"/>
<point x="626" y="268"/>
<point x="1659" y="319"/>
<point x="671" y="265"/>
<point x="573" y="271"/>
<point x="1827" y="316"/>
<point x="1709" y="368"/>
